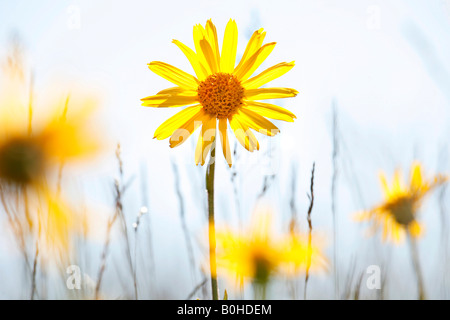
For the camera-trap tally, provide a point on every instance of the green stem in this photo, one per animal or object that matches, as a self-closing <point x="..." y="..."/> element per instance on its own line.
<point x="416" y="264"/>
<point x="260" y="290"/>
<point x="210" y="170"/>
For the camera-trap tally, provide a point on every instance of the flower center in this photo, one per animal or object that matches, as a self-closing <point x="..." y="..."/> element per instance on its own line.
<point x="221" y="94"/>
<point x="21" y="161"/>
<point x="403" y="210"/>
<point x="262" y="269"/>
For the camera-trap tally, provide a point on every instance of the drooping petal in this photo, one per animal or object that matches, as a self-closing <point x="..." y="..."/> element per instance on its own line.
<point x="270" y="93"/>
<point x="268" y="75"/>
<point x="170" y="100"/>
<point x="205" y="140"/>
<point x="250" y="65"/>
<point x="175" y="90"/>
<point x="270" y="111"/>
<point x="167" y="128"/>
<point x="223" y="125"/>
<point x="174" y="75"/>
<point x="397" y="233"/>
<point x="229" y="47"/>
<point x="243" y="134"/>
<point x="253" y="45"/>
<point x="415" y="229"/>
<point x="257" y="122"/>
<point x="181" y="134"/>
<point x="58" y="224"/>
<point x="199" y="69"/>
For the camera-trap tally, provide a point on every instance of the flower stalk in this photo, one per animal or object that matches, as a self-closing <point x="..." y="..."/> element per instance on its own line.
<point x="417" y="267"/>
<point x="210" y="172"/>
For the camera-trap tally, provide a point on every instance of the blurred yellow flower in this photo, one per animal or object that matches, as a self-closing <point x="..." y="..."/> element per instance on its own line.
<point x="258" y="254"/>
<point x="27" y="160"/>
<point x="34" y="144"/>
<point x="26" y="157"/>
<point x="297" y="252"/>
<point x="221" y="92"/>
<point x="251" y="255"/>
<point x="397" y="215"/>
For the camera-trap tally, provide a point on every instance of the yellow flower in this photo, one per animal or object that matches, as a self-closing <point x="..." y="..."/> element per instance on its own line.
<point x="221" y="92"/>
<point x="29" y="155"/>
<point x="258" y="254"/>
<point x="25" y="158"/>
<point x="298" y="254"/>
<point x="397" y="215"/>
<point x="253" y="254"/>
<point x="26" y="161"/>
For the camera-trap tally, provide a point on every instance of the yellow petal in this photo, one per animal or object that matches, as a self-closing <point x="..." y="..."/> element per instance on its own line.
<point x="397" y="233"/>
<point x="59" y="222"/>
<point x="199" y="69"/>
<point x="268" y="75"/>
<point x="397" y="186"/>
<point x="415" y="229"/>
<point x="174" y="75"/>
<point x="384" y="185"/>
<point x="257" y="122"/>
<point x="223" y="125"/>
<point x="181" y="134"/>
<point x="205" y="140"/>
<point x="167" y="128"/>
<point x="175" y="90"/>
<point x="270" y="93"/>
<point x="213" y="41"/>
<point x="200" y="34"/>
<point x="56" y="225"/>
<point x="251" y="64"/>
<point x="253" y="45"/>
<point x="229" y="47"/>
<point x="245" y="137"/>
<point x="362" y="216"/>
<point x="416" y="177"/>
<point x="209" y="55"/>
<point x="168" y="100"/>
<point x="69" y="138"/>
<point x="270" y="111"/>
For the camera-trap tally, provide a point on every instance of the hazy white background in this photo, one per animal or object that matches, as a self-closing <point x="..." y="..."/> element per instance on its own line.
<point x="384" y="63"/>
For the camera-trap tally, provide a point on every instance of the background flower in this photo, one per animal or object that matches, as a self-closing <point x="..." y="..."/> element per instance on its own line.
<point x="398" y="214"/>
<point x="258" y="253"/>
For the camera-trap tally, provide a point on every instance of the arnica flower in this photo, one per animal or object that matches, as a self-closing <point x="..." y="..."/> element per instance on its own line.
<point x="31" y="156"/>
<point x="26" y="158"/>
<point x="258" y="254"/>
<point x="298" y="256"/>
<point x="221" y="92"/>
<point x="398" y="214"/>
